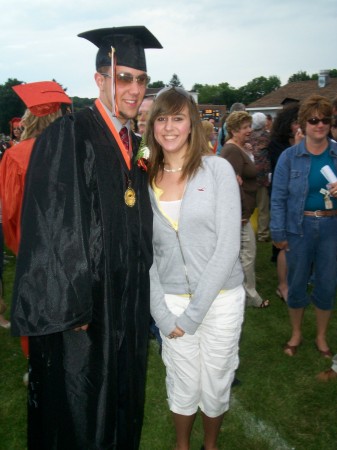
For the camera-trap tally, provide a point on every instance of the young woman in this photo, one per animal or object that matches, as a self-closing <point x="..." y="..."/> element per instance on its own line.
<point x="197" y="298"/>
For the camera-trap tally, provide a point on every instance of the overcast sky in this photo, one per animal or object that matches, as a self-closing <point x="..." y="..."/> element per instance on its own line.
<point x="207" y="42"/>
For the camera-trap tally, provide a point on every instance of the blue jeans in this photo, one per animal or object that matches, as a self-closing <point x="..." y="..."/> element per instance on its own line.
<point x="315" y="250"/>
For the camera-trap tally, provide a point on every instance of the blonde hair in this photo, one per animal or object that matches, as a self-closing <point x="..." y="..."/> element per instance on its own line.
<point x="235" y="121"/>
<point x="171" y="101"/>
<point x="208" y="128"/>
<point x="33" y="125"/>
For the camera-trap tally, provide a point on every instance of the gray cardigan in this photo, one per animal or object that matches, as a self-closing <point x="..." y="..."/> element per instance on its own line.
<point x="209" y="235"/>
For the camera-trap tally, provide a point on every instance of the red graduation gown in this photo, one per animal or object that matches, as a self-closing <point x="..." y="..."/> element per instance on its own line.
<point x="13" y="169"/>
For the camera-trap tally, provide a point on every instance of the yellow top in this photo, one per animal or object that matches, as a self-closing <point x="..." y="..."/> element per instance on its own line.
<point x="158" y="193"/>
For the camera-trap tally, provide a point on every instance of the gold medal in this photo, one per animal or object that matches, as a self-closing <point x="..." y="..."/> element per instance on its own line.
<point x="130" y="197"/>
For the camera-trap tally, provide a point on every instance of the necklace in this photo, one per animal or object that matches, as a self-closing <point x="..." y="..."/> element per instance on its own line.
<point x="173" y="170"/>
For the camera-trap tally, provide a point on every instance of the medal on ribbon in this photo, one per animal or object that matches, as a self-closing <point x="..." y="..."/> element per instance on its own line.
<point x="130" y="196"/>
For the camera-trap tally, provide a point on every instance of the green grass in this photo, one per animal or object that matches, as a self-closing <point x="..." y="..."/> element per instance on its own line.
<point x="278" y="405"/>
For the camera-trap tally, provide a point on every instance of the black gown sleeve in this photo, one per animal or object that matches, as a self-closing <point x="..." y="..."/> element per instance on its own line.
<point x="53" y="282"/>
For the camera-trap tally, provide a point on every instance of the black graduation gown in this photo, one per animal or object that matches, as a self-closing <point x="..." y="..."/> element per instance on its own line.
<point x="84" y="258"/>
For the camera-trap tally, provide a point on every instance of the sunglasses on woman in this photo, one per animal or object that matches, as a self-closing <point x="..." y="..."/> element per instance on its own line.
<point x="316" y="120"/>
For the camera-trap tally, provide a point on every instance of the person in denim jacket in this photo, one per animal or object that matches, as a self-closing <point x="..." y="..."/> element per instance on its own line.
<point x="304" y="221"/>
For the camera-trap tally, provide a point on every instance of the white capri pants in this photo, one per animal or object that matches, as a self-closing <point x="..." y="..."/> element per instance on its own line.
<point x="200" y="368"/>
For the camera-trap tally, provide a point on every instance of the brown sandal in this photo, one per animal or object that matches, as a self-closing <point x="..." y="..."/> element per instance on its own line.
<point x="325" y="353"/>
<point x="290" y="350"/>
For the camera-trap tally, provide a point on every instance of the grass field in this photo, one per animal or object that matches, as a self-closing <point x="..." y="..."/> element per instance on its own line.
<point x="278" y="405"/>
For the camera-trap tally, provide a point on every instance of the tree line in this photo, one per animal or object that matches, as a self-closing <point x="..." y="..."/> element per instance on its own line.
<point x="221" y="94"/>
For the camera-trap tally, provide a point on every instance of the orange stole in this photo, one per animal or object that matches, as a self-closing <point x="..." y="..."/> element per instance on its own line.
<point x="114" y="132"/>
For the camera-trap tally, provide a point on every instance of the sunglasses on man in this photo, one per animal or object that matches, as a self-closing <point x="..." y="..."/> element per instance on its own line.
<point x="127" y="78"/>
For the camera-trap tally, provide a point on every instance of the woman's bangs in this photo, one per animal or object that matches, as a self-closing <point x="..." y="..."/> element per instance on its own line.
<point x="170" y="105"/>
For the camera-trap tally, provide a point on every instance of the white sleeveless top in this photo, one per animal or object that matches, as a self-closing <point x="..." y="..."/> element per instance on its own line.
<point x="171" y="209"/>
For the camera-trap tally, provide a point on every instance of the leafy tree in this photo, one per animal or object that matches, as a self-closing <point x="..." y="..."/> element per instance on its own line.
<point x="10" y="104"/>
<point x="79" y="103"/>
<point x="228" y="95"/>
<point x="156" y="84"/>
<point x="221" y="94"/>
<point x="333" y="73"/>
<point x="257" y="88"/>
<point x="299" y="76"/>
<point x="175" y="81"/>
<point x="207" y="93"/>
<point x="303" y="76"/>
<point x="196" y="87"/>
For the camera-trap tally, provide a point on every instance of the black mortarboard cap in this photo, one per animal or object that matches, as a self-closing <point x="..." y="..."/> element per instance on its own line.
<point x="129" y="44"/>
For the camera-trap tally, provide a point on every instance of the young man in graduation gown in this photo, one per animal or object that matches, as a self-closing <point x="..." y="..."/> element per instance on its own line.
<point x="81" y="290"/>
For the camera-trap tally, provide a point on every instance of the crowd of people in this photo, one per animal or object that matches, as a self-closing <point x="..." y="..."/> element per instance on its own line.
<point x="123" y="217"/>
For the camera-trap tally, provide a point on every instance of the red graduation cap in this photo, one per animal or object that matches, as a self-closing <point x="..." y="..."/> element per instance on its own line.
<point x="42" y="97"/>
<point x="15" y="120"/>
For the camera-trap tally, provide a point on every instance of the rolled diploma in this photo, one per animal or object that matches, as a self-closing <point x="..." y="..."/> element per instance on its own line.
<point x="328" y="174"/>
